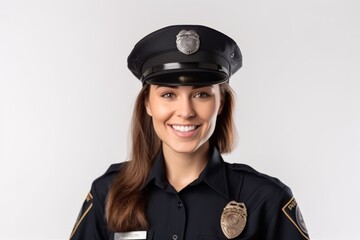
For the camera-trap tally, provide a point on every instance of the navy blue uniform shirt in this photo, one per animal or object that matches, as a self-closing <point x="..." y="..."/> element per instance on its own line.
<point x="195" y="212"/>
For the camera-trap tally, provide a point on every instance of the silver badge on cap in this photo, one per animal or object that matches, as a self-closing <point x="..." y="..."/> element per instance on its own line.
<point x="233" y="219"/>
<point x="188" y="42"/>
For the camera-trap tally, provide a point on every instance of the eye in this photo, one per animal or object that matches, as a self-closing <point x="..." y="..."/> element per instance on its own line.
<point x="202" y="95"/>
<point x="168" y="95"/>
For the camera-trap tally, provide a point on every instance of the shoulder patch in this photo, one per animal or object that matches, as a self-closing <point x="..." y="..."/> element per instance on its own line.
<point x="88" y="203"/>
<point x="292" y="212"/>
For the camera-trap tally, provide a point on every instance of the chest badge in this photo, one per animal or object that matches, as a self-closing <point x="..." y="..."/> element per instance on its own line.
<point x="233" y="219"/>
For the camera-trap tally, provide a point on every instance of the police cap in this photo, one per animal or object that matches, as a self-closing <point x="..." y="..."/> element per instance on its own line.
<point x="185" y="55"/>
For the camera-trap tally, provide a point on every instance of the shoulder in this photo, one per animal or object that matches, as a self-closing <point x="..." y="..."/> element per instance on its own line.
<point x="255" y="182"/>
<point x="109" y="173"/>
<point x="269" y="199"/>
<point x="101" y="185"/>
<point x="93" y="209"/>
<point x="253" y="174"/>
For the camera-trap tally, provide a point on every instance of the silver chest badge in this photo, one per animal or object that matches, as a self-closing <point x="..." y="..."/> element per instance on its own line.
<point x="188" y="42"/>
<point x="233" y="219"/>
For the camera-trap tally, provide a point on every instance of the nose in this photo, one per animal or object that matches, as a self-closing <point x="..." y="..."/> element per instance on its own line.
<point x="185" y="108"/>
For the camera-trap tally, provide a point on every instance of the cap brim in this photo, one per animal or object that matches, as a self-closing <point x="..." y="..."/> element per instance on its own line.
<point x="194" y="77"/>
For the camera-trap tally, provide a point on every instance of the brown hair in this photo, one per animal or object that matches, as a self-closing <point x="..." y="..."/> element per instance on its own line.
<point x="126" y="204"/>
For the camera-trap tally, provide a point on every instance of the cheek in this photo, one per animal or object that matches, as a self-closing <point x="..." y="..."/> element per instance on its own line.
<point x="154" y="107"/>
<point x="210" y="111"/>
<point x="160" y="112"/>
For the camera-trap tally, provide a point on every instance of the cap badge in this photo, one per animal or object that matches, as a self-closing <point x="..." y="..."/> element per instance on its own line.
<point x="188" y="42"/>
<point x="233" y="219"/>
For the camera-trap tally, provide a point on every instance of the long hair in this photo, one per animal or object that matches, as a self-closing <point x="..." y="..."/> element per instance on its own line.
<point x="125" y="208"/>
<point x="224" y="135"/>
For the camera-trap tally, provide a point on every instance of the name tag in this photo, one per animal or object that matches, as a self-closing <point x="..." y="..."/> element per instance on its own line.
<point x="134" y="235"/>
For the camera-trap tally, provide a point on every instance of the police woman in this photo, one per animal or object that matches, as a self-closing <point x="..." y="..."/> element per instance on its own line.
<point x="176" y="185"/>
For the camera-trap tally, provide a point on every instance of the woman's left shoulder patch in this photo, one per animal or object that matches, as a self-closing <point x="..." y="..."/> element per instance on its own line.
<point x="293" y="213"/>
<point x="88" y="203"/>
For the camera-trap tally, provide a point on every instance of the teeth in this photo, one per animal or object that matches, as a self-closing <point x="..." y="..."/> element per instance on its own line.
<point x="183" y="128"/>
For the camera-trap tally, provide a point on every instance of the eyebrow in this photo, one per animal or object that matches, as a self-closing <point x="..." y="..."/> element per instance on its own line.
<point x="193" y="87"/>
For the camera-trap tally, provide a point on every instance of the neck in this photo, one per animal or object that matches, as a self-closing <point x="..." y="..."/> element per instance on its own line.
<point x="184" y="168"/>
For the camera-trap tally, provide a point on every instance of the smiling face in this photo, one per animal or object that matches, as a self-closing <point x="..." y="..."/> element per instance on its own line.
<point x="184" y="117"/>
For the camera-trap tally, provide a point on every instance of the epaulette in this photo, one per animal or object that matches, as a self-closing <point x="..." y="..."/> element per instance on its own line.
<point x="110" y="172"/>
<point x="242" y="167"/>
<point x="252" y="171"/>
<point x="114" y="168"/>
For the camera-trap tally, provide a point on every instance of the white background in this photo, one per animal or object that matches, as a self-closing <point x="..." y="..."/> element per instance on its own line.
<point x="66" y="98"/>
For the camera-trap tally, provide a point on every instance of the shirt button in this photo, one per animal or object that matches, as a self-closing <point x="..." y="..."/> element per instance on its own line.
<point x="175" y="237"/>
<point x="179" y="205"/>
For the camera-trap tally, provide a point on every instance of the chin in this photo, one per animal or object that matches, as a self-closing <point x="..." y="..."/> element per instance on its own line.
<point x="186" y="148"/>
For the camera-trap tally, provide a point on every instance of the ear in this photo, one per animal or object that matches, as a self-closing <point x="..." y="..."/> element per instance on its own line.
<point x="148" y="108"/>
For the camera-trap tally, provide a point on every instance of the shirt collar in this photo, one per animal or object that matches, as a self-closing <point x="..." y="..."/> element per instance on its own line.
<point x="213" y="175"/>
<point x="157" y="172"/>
